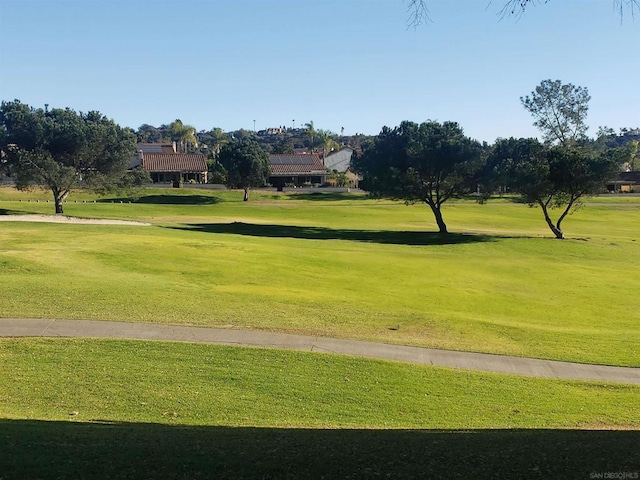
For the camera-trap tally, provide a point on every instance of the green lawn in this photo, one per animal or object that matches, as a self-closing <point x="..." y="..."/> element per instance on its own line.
<point x="339" y="265"/>
<point x="199" y="384"/>
<point x="132" y="409"/>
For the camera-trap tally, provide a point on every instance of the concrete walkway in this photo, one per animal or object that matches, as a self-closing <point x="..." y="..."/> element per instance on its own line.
<point x="464" y="360"/>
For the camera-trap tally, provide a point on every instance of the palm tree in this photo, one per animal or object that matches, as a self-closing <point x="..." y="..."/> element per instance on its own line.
<point x="183" y="135"/>
<point x="311" y="131"/>
<point x="328" y="141"/>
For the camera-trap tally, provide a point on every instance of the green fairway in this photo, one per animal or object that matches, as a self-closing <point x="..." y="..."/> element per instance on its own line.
<point x="338" y="265"/>
<point x="131" y="409"/>
<point x="196" y="384"/>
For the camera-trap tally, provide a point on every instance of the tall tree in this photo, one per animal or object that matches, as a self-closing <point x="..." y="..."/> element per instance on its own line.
<point x="328" y="141"/>
<point x="552" y="177"/>
<point x="495" y="176"/>
<point x="218" y="139"/>
<point x="311" y="132"/>
<point x="210" y="142"/>
<point x="560" y="111"/>
<point x="246" y="163"/>
<point x="284" y="147"/>
<point x="429" y="163"/>
<point x="61" y="149"/>
<point x="148" y="134"/>
<point x="631" y="155"/>
<point x="183" y="135"/>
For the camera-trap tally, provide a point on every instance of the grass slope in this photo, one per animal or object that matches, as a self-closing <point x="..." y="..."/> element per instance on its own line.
<point x="335" y="265"/>
<point x="196" y="384"/>
<point x="339" y="265"/>
<point x="127" y="409"/>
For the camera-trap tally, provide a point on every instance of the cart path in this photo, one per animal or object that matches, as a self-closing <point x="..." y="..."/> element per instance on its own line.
<point x="11" y="327"/>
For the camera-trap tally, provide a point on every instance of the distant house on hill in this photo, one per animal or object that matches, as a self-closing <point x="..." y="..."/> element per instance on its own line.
<point x="166" y="166"/>
<point x="298" y="170"/>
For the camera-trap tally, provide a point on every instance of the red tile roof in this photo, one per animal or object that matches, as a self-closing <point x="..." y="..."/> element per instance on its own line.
<point x="174" y="162"/>
<point x="302" y="164"/>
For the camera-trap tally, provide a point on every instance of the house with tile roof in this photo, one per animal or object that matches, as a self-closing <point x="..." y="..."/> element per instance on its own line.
<point x="627" y="182"/>
<point x="298" y="170"/>
<point x="165" y="165"/>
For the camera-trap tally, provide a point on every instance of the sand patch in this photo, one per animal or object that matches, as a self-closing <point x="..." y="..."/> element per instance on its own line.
<point x="65" y="219"/>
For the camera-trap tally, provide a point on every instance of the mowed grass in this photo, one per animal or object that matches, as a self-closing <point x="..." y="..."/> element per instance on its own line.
<point x="338" y="265"/>
<point x="196" y="384"/>
<point x="131" y="409"/>
<point x="334" y="265"/>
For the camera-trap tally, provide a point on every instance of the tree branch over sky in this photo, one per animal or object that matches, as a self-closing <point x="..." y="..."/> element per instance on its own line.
<point x="419" y="13"/>
<point x="560" y="111"/>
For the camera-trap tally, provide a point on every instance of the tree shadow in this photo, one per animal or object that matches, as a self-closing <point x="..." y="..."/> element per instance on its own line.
<point x="322" y="233"/>
<point x="167" y="200"/>
<point x="101" y="450"/>
<point x="325" y="196"/>
<point x="5" y="211"/>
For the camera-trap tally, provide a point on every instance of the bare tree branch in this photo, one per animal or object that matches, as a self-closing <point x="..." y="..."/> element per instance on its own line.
<point x="515" y="8"/>
<point x="632" y="5"/>
<point x="419" y="13"/>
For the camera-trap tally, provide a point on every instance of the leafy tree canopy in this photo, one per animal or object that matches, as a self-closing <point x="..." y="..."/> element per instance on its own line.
<point x="149" y="134"/>
<point x="552" y="177"/>
<point x="430" y="162"/>
<point x="246" y="164"/>
<point x="61" y="149"/>
<point x="284" y="147"/>
<point x="560" y="111"/>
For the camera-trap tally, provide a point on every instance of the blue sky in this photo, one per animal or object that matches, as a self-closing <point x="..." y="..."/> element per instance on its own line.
<point x="340" y="63"/>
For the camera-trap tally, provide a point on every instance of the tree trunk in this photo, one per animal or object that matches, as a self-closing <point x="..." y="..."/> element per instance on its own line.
<point x="574" y="199"/>
<point x="442" y="227"/>
<point x="557" y="231"/>
<point x="246" y="195"/>
<point x="58" y="199"/>
<point x="59" y="210"/>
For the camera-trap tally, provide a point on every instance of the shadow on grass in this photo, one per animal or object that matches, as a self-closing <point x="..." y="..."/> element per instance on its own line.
<point x="4" y="211"/>
<point x="322" y="233"/>
<point x="325" y="196"/>
<point x="167" y="200"/>
<point x="53" y="450"/>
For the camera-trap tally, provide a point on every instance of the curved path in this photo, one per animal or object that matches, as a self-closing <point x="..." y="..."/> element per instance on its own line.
<point x="10" y="327"/>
